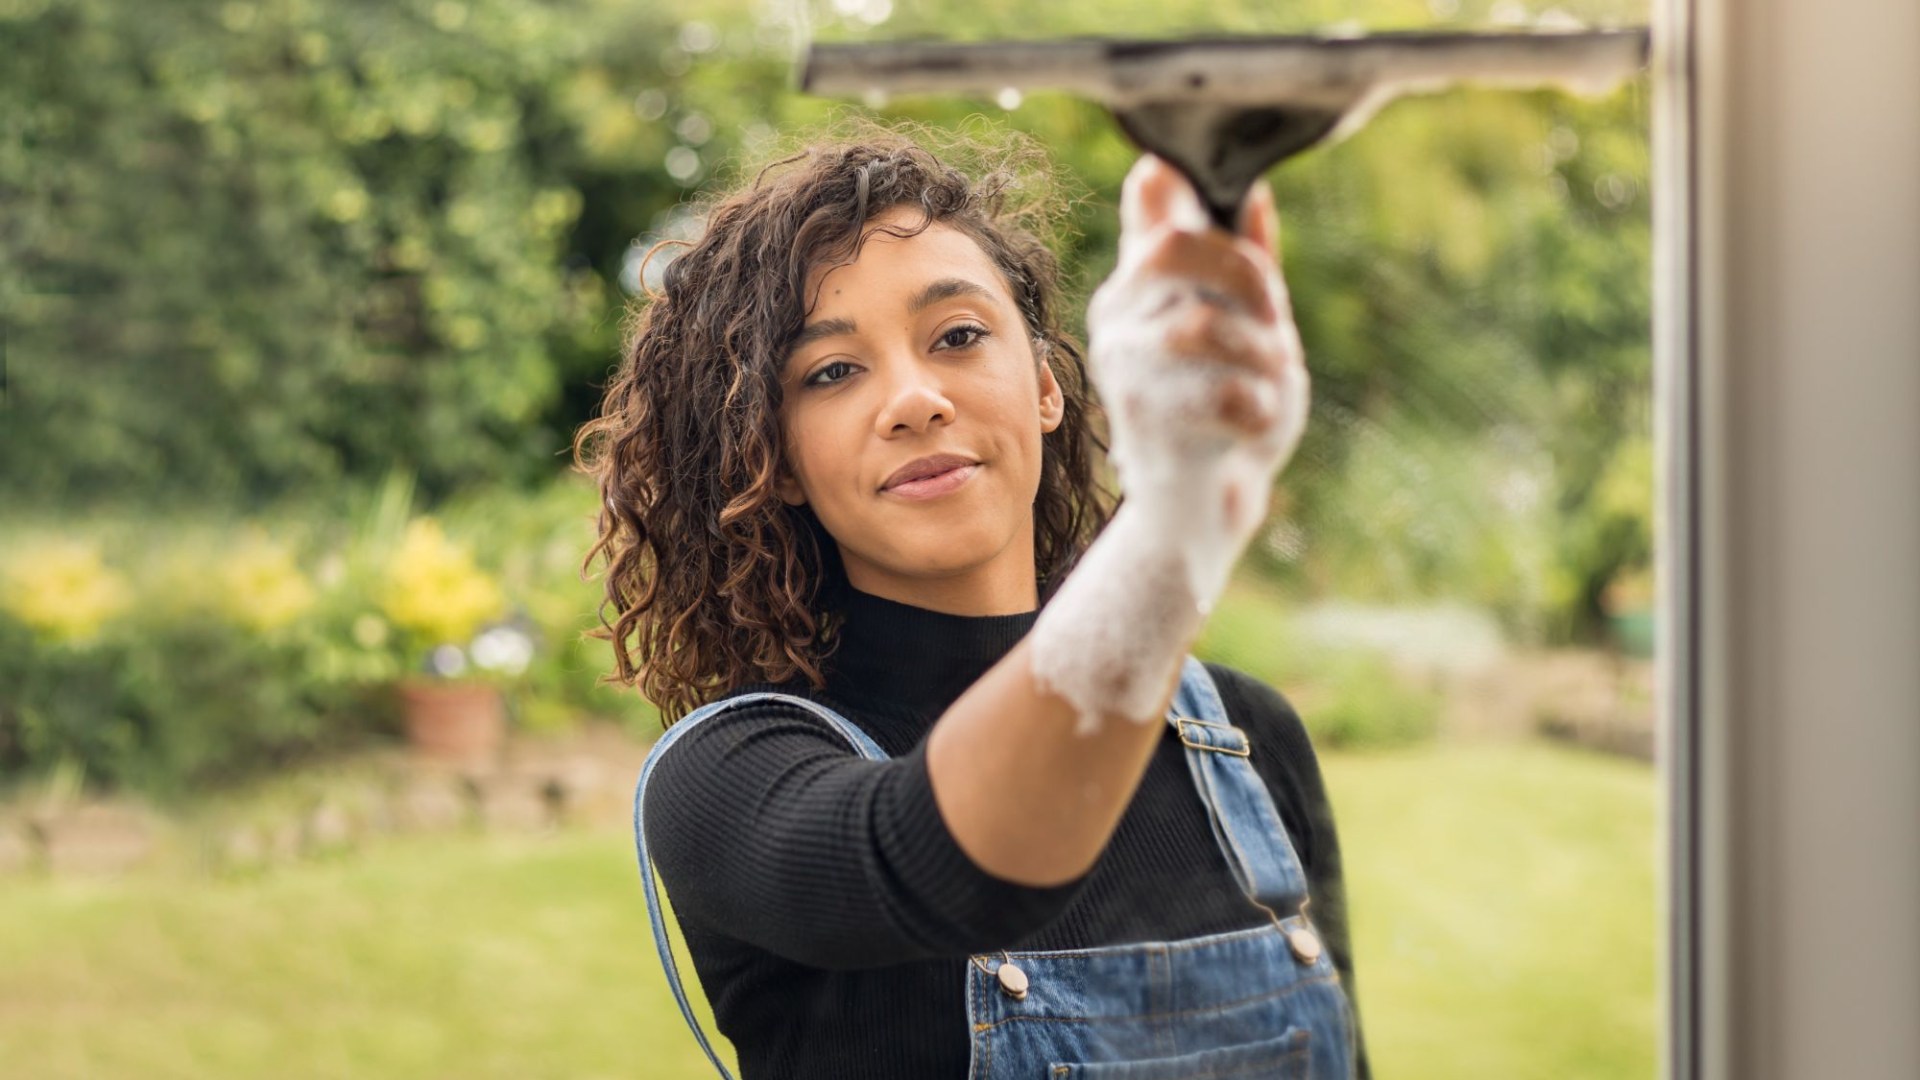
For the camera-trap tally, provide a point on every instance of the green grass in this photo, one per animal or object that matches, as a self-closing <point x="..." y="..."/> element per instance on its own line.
<point x="1503" y="902"/>
<point x="420" y="957"/>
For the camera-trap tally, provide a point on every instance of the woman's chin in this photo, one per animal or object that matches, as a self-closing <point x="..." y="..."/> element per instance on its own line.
<point x="942" y="549"/>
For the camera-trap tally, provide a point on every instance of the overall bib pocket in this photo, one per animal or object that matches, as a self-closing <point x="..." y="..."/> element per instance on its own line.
<point x="1282" y="1058"/>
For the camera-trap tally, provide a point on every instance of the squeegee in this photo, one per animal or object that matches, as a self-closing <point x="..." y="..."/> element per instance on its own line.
<point x="1225" y="109"/>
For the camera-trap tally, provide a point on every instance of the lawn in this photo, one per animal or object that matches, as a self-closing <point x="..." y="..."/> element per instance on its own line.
<point x="1503" y="901"/>
<point x="1504" y="912"/>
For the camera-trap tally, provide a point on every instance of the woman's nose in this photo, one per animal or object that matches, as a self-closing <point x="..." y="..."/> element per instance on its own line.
<point x="914" y="402"/>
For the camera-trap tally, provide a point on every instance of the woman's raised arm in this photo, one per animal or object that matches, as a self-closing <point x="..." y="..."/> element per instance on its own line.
<point x="1193" y="349"/>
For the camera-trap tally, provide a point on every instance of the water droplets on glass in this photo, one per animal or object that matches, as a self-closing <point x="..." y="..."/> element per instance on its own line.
<point x="650" y="104"/>
<point x="683" y="163"/>
<point x="698" y="37"/>
<point x="694" y="128"/>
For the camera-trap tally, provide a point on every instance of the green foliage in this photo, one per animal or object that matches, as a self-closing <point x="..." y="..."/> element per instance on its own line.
<point x="281" y="243"/>
<point x="277" y="246"/>
<point x="169" y="707"/>
<point x="1360" y="702"/>
<point x="203" y="671"/>
<point x="1471" y="278"/>
<point x="539" y="541"/>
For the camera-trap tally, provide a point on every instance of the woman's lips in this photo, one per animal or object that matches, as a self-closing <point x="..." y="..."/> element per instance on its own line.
<point x="930" y="487"/>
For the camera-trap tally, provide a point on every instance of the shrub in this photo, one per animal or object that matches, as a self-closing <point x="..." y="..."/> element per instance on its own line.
<point x="167" y="707"/>
<point x="167" y="655"/>
<point x="1346" y="697"/>
<point x="1361" y="702"/>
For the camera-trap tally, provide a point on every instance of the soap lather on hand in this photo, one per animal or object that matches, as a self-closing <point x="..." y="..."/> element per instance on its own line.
<point x="1193" y="349"/>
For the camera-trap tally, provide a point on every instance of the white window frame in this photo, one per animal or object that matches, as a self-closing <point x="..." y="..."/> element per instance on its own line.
<point x="1787" y="415"/>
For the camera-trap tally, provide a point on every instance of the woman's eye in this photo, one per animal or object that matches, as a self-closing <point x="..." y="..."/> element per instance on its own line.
<point x="970" y="335"/>
<point x="978" y="333"/>
<point x="815" y="379"/>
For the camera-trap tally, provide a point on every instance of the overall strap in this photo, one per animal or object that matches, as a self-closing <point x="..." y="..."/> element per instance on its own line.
<point x="866" y="747"/>
<point x="1245" y="822"/>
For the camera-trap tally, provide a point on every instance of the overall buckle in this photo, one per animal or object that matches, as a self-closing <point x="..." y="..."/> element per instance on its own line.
<point x="1212" y="735"/>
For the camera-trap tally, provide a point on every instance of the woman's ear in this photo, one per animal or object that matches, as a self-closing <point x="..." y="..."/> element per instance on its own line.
<point x="788" y="487"/>
<point x="1053" y="403"/>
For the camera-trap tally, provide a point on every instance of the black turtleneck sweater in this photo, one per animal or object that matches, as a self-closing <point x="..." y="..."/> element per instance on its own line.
<point x="830" y="914"/>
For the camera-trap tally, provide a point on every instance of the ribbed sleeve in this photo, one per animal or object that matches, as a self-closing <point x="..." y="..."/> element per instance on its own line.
<point x="766" y="827"/>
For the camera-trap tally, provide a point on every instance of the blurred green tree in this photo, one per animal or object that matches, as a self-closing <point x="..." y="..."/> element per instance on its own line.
<point x="270" y="246"/>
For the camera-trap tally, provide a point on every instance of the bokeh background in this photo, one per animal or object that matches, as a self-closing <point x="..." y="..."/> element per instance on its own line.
<point x="300" y="305"/>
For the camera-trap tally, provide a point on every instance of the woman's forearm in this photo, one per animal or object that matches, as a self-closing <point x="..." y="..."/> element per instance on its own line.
<point x="1028" y="782"/>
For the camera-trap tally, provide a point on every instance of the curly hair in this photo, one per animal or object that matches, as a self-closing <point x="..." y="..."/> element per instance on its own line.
<point x="712" y="580"/>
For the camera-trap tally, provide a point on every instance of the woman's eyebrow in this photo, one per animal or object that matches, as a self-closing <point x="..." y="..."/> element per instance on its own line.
<point x="933" y="293"/>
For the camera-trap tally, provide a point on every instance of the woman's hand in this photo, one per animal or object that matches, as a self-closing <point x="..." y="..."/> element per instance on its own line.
<point x="1193" y="348"/>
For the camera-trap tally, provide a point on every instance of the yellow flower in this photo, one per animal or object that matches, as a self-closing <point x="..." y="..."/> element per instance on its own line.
<point x="261" y="587"/>
<point x="62" y="588"/>
<point x="434" y="589"/>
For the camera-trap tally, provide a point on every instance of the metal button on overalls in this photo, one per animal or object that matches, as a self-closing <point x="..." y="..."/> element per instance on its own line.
<point x="1013" y="981"/>
<point x="1304" y="943"/>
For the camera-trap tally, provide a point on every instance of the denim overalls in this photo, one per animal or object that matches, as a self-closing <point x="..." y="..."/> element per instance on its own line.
<point x="1264" y="1002"/>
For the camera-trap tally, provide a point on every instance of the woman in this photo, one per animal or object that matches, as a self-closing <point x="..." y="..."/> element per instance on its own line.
<point x="947" y="796"/>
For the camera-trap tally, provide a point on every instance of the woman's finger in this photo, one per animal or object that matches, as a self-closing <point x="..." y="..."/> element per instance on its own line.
<point x="1259" y="218"/>
<point x="1155" y="195"/>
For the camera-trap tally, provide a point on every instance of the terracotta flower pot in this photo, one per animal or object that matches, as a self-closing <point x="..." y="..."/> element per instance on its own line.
<point x="459" y="723"/>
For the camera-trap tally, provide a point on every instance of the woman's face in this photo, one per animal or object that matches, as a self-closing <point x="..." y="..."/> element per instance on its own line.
<point x="914" y="349"/>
